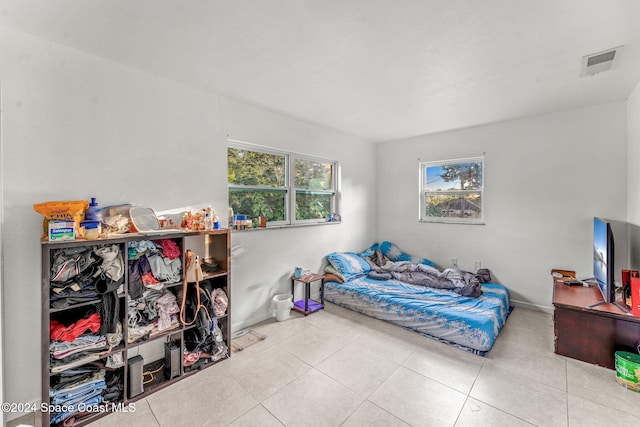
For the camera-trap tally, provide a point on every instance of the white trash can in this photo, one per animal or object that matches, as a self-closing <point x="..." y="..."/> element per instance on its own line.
<point x="281" y="306"/>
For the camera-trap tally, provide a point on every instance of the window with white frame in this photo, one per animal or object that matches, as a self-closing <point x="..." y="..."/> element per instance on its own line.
<point x="452" y="191"/>
<point x="286" y="187"/>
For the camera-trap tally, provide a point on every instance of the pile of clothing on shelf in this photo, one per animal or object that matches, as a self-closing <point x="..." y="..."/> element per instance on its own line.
<point x="85" y="372"/>
<point x="152" y="309"/>
<point x="75" y="344"/>
<point x="78" y="388"/>
<point x="202" y="307"/>
<point x="72" y="277"/>
<point x="152" y="264"/>
<point x="78" y="343"/>
<point x="155" y="312"/>
<point x="201" y="348"/>
<point x="82" y="274"/>
<point x="74" y="389"/>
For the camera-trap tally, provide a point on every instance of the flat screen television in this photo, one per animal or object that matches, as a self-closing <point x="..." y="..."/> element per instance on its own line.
<point x="603" y="255"/>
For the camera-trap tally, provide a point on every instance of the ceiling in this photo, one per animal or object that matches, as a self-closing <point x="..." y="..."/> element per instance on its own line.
<point x="379" y="70"/>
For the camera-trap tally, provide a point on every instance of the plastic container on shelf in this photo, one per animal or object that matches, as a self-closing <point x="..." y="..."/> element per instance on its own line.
<point x="92" y="210"/>
<point x="92" y="229"/>
<point x="281" y="306"/>
<point x="144" y="219"/>
<point x="208" y="221"/>
<point x="110" y="211"/>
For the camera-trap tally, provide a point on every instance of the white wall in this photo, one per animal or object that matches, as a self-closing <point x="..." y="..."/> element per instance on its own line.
<point x="2" y="399"/>
<point x="263" y="261"/>
<point x="633" y="182"/>
<point x="546" y="177"/>
<point x="77" y="126"/>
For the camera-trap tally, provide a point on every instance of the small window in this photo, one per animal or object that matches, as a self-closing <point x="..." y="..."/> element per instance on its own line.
<point x="452" y="191"/>
<point x="257" y="183"/>
<point x="286" y="187"/>
<point x="314" y="184"/>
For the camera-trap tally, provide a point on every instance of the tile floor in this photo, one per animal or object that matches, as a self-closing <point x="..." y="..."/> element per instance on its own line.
<point x="339" y="368"/>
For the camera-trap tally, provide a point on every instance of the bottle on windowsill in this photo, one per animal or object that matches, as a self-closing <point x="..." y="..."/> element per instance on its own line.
<point x="208" y="221"/>
<point x="232" y="221"/>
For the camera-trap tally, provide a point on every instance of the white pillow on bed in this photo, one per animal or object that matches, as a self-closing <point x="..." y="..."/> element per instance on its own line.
<point x="394" y="253"/>
<point x="349" y="264"/>
<point x="332" y="274"/>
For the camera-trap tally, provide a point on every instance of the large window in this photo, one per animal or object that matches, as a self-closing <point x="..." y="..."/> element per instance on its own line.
<point x="452" y="191"/>
<point x="287" y="188"/>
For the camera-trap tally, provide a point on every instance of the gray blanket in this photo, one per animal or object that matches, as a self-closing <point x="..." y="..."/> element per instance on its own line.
<point x="462" y="282"/>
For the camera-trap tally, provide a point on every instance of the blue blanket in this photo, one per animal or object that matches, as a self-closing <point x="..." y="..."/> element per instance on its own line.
<point x="471" y="324"/>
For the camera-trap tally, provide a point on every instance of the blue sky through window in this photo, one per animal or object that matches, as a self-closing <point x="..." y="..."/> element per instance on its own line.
<point x="435" y="181"/>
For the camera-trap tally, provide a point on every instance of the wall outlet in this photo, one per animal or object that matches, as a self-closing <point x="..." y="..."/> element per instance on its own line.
<point x="454" y="262"/>
<point x="477" y="265"/>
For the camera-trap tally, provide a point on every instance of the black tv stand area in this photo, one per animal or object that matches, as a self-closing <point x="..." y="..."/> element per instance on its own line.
<point x="616" y="303"/>
<point x="588" y="329"/>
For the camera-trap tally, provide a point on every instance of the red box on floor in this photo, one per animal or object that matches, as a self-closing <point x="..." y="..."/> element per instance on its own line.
<point x="635" y="296"/>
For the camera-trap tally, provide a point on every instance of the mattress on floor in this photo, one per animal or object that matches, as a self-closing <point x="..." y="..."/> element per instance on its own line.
<point x="471" y="324"/>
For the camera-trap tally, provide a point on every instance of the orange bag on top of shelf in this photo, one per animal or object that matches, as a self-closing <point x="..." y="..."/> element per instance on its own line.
<point x="70" y="210"/>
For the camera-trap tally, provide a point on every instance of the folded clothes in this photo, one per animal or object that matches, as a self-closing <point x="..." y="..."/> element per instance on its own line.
<point x="58" y="417"/>
<point x="84" y="343"/>
<point x="82" y="359"/>
<point x="60" y="332"/>
<point x="73" y="397"/>
<point x="72" y="377"/>
<point x="79" y="385"/>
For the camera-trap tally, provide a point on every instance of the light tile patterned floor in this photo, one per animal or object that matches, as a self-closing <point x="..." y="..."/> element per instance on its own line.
<point x="339" y="368"/>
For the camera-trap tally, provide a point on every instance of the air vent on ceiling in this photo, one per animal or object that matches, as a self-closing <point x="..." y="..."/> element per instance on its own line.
<point x="601" y="61"/>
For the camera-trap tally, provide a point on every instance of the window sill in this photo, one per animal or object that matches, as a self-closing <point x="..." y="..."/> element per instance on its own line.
<point x="278" y="227"/>
<point x="449" y="221"/>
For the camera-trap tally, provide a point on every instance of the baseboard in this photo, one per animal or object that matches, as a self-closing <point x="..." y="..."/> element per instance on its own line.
<point x="254" y="320"/>
<point x="534" y="307"/>
<point x="260" y="317"/>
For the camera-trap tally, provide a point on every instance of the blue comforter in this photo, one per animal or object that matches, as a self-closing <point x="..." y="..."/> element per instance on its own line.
<point x="472" y="324"/>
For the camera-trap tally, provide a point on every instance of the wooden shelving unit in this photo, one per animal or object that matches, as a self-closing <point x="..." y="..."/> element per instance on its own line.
<point x="213" y="245"/>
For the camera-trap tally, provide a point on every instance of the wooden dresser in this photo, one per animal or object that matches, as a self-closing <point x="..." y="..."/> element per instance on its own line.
<point x="591" y="333"/>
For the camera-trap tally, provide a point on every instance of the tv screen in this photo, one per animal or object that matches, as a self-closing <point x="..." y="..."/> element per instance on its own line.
<point x="603" y="249"/>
